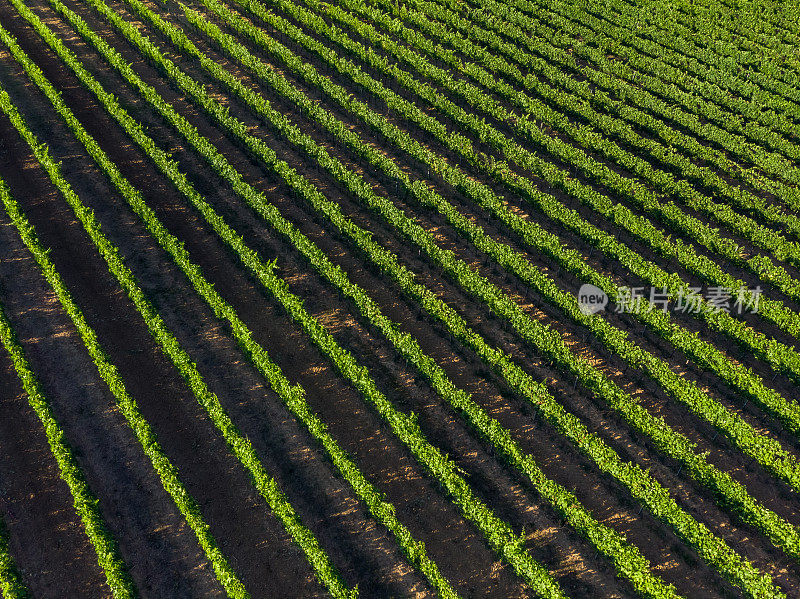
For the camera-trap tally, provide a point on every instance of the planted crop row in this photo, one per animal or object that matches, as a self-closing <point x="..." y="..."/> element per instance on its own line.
<point x="775" y="31"/>
<point x="710" y="69"/>
<point x="769" y="130"/>
<point x="704" y="89"/>
<point x="627" y="559"/>
<point x="557" y="50"/>
<point x="708" y="270"/>
<point x="714" y="549"/>
<point x="86" y="505"/>
<point x="768" y="452"/>
<point x="331" y="208"/>
<point x="706" y="354"/>
<point x="442" y="55"/>
<point x="219" y="116"/>
<point x="168" y="473"/>
<point x="739" y="44"/>
<point x="780" y="356"/>
<point x="702" y="266"/>
<point x="555" y="66"/>
<point x="677" y="386"/>
<point x="238" y="444"/>
<point x="731" y="50"/>
<point x="779" y="19"/>
<point x="268" y="157"/>
<point x="11" y="585"/>
<point x="545" y="340"/>
<point x="748" y="20"/>
<point x="566" y="101"/>
<point x="293" y="397"/>
<point x="498" y="534"/>
<point x="778" y="162"/>
<point x="587" y="137"/>
<point x="648" y="56"/>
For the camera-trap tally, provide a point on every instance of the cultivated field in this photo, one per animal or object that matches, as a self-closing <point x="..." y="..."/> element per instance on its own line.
<point x="460" y="298"/>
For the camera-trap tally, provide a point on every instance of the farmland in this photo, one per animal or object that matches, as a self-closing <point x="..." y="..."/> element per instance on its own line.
<point x="399" y="299"/>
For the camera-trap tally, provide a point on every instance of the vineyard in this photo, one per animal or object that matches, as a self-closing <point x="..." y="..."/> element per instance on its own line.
<point x="380" y="298"/>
